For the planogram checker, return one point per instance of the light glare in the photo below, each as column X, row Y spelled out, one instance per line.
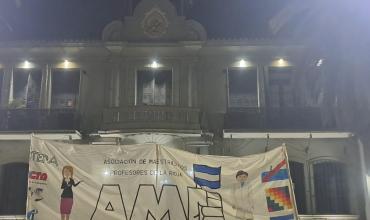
column 281, row 62
column 66, row 63
column 154, row 65
column 242, row 63
column 320, row 62
column 27, row 64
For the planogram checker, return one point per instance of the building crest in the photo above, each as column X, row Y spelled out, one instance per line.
column 155, row 23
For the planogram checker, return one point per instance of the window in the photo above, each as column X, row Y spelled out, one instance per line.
column 154, row 87
column 297, row 174
column 26, row 88
column 65, row 88
column 281, row 92
column 13, row 188
column 331, row 188
column 243, row 89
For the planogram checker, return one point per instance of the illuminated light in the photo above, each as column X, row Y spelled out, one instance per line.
column 66, row 63
column 242, row 63
column 106, row 173
column 27, row 64
column 154, row 65
column 281, row 61
column 320, row 62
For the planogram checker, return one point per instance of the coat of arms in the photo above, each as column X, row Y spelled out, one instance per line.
column 155, row 23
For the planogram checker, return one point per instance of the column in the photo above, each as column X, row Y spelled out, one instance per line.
column 8, row 70
column 45, row 85
column 366, row 178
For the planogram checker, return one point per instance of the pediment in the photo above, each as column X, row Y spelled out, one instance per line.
column 154, row 20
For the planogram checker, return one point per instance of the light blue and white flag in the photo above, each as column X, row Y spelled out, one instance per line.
column 207, row 176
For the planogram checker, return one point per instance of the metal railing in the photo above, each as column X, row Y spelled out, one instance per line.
column 162, row 117
column 38, row 119
column 277, row 118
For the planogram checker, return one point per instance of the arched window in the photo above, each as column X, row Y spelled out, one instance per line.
column 13, row 188
column 331, row 188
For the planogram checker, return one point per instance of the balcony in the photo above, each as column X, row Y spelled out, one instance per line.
column 151, row 117
column 38, row 119
column 295, row 118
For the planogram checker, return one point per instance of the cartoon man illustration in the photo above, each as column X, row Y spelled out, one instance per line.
column 66, row 201
column 242, row 197
column 34, row 197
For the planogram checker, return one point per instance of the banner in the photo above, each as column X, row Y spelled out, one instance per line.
column 153, row 182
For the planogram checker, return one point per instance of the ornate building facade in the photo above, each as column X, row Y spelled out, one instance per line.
column 155, row 77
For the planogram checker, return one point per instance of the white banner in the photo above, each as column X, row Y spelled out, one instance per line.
column 146, row 182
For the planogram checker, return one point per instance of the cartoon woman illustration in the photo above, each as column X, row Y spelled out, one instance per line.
column 66, row 201
column 242, row 197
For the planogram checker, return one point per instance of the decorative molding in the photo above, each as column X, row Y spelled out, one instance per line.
column 155, row 23
column 113, row 31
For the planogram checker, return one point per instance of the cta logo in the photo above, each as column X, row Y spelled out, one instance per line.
column 34, row 175
column 43, row 158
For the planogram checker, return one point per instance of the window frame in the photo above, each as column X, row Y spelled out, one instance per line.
column 312, row 186
column 257, row 69
column 50, row 91
column 11, row 83
column 268, row 86
column 152, row 69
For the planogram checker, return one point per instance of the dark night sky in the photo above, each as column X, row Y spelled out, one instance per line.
column 85, row 19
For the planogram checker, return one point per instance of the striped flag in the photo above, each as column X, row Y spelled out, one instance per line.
column 207, row 176
column 280, row 172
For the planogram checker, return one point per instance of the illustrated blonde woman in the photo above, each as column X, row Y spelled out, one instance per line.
column 66, row 201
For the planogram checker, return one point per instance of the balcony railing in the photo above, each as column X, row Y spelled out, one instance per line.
column 295, row 118
column 151, row 117
column 38, row 119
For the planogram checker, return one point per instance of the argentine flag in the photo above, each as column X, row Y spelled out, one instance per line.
column 207, row 176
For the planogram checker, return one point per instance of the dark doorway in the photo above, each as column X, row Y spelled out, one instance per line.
column 13, row 188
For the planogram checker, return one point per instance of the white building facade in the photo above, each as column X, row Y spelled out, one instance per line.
column 155, row 77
